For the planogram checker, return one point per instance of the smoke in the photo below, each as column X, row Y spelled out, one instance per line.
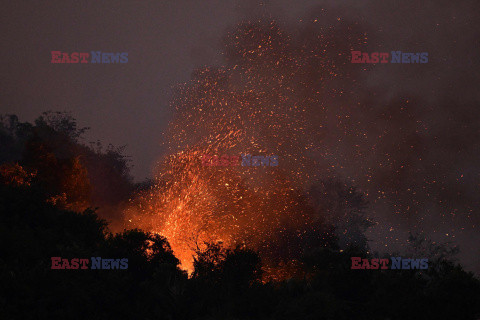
column 406, row 135
column 410, row 137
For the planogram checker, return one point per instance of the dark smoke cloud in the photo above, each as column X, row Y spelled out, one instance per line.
column 407, row 135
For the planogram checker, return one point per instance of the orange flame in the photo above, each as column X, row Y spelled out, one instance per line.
column 254, row 106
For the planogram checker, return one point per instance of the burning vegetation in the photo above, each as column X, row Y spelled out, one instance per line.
column 259, row 103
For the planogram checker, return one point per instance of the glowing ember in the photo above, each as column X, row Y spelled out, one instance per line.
column 256, row 105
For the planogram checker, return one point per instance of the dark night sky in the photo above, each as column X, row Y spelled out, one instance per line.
column 166, row 40
column 123, row 104
column 128, row 104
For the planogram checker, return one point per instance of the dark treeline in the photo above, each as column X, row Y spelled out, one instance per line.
column 73, row 174
column 49, row 181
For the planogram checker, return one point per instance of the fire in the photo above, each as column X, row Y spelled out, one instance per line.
column 15, row 174
column 257, row 104
column 232, row 205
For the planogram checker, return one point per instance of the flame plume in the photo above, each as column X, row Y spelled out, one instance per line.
column 258, row 104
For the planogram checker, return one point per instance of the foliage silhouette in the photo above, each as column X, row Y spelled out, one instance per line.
column 227, row 283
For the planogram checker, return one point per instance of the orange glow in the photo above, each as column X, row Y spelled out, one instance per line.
column 250, row 107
